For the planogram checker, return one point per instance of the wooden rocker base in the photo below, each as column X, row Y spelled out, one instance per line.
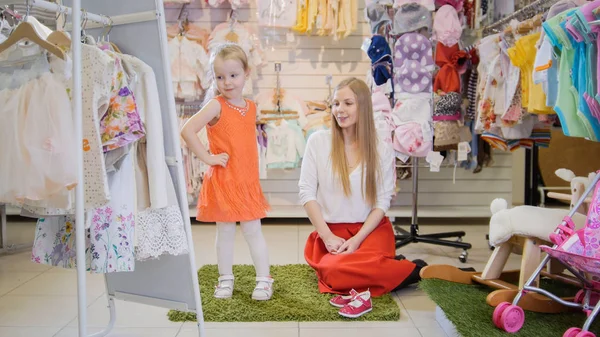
column 505, row 285
column 447, row 273
column 531, row 301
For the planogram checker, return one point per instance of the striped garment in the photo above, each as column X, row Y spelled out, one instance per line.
column 45, row 17
column 539, row 137
column 472, row 95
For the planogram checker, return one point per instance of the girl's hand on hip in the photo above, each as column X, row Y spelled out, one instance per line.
column 220, row 159
column 333, row 243
column 349, row 247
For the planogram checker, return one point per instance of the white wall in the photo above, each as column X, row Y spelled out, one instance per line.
column 303, row 71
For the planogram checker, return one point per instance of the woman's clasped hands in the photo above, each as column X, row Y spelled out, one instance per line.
column 336, row 245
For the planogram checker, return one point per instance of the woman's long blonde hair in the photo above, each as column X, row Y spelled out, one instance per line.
column 366, row 138
column 225, row 51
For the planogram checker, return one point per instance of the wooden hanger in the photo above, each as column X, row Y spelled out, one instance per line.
column 277, row 112
column 530, row 24
column 232, row 36
column 277, row 120
column 115, row 48
column 26, row 31
column 60, row 39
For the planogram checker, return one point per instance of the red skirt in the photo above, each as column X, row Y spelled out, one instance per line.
column 372, row 266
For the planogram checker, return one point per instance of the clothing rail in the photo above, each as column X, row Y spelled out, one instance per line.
column 526, row 12
column 124, row 19
column 75, row 12
column 53, row 7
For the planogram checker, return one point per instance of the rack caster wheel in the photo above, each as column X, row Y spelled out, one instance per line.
column 463, row 256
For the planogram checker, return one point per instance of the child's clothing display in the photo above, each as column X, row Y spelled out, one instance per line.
column 39, row 154
column 189, row 68
column 245, row 36
column 131, row 210
column 233, row 193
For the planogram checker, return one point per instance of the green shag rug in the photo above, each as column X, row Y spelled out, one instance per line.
column 296, row 298
column 465, row 306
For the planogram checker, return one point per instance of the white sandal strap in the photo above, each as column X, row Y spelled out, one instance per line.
column 226, row 278
column 269, row 280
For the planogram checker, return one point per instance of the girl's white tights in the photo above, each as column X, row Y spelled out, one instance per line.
column 255, row 239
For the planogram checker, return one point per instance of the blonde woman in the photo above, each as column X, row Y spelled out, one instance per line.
column 346, row 186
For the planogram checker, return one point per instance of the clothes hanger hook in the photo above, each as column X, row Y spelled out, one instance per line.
column 65, row 13
column 110, row 26
column 27, row 9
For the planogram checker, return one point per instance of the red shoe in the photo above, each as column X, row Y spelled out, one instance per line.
column 360, row 305
column 340, row 301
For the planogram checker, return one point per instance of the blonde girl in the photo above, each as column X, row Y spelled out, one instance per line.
column 231, row 190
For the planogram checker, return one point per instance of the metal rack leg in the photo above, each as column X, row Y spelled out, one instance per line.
column 111, row 322
column 3, row 239
column 113, row 313
column 404, row 237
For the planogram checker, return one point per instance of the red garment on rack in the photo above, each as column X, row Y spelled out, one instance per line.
column 451, row 60
column 372, row 266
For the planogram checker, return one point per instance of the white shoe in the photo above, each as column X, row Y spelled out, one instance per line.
column 225, row 287
column 264, row 289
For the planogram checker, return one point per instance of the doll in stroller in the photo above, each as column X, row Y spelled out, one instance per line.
column 579, row 251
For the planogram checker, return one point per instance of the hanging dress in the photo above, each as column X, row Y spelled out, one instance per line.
column 233, row 193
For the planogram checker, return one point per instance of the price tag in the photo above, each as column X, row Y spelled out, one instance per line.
column 290, row 37
column 366, row 44
column 463, row 150
column 404, row 158
column 435, row 160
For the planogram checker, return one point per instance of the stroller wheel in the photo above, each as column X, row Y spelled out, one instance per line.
column 572, row 332
column 512, row 318
column 579, row 298
column 498, row 313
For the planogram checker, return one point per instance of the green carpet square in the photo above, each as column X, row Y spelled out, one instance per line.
column 296, row 298
column 465, row 306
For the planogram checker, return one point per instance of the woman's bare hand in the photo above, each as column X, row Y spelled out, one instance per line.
column 333, row 242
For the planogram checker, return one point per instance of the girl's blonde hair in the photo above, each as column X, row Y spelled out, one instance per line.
column 224, row 51
column 366, row 138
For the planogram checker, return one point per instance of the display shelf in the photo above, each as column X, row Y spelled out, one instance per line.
column 283, row 212
column 12, row 210
column 395, row 211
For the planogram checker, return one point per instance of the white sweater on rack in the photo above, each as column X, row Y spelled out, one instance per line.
column 318, row 183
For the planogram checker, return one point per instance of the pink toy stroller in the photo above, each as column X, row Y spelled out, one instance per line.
column 579, row 251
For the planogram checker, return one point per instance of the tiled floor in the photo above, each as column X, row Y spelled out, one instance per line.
column 39, row 301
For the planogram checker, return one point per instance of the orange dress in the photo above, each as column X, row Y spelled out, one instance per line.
column 233, row 193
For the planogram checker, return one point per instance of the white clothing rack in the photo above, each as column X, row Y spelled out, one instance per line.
column 53, row 7
column 171, row 281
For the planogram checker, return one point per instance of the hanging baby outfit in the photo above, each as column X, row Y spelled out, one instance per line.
column 36, row 133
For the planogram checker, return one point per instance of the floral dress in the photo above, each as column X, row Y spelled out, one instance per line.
column 109, row 238
column 110, row 227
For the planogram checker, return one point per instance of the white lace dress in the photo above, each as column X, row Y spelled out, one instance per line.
column 159, row 225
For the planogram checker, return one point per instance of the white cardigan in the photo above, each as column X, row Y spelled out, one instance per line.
column 317, row 182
